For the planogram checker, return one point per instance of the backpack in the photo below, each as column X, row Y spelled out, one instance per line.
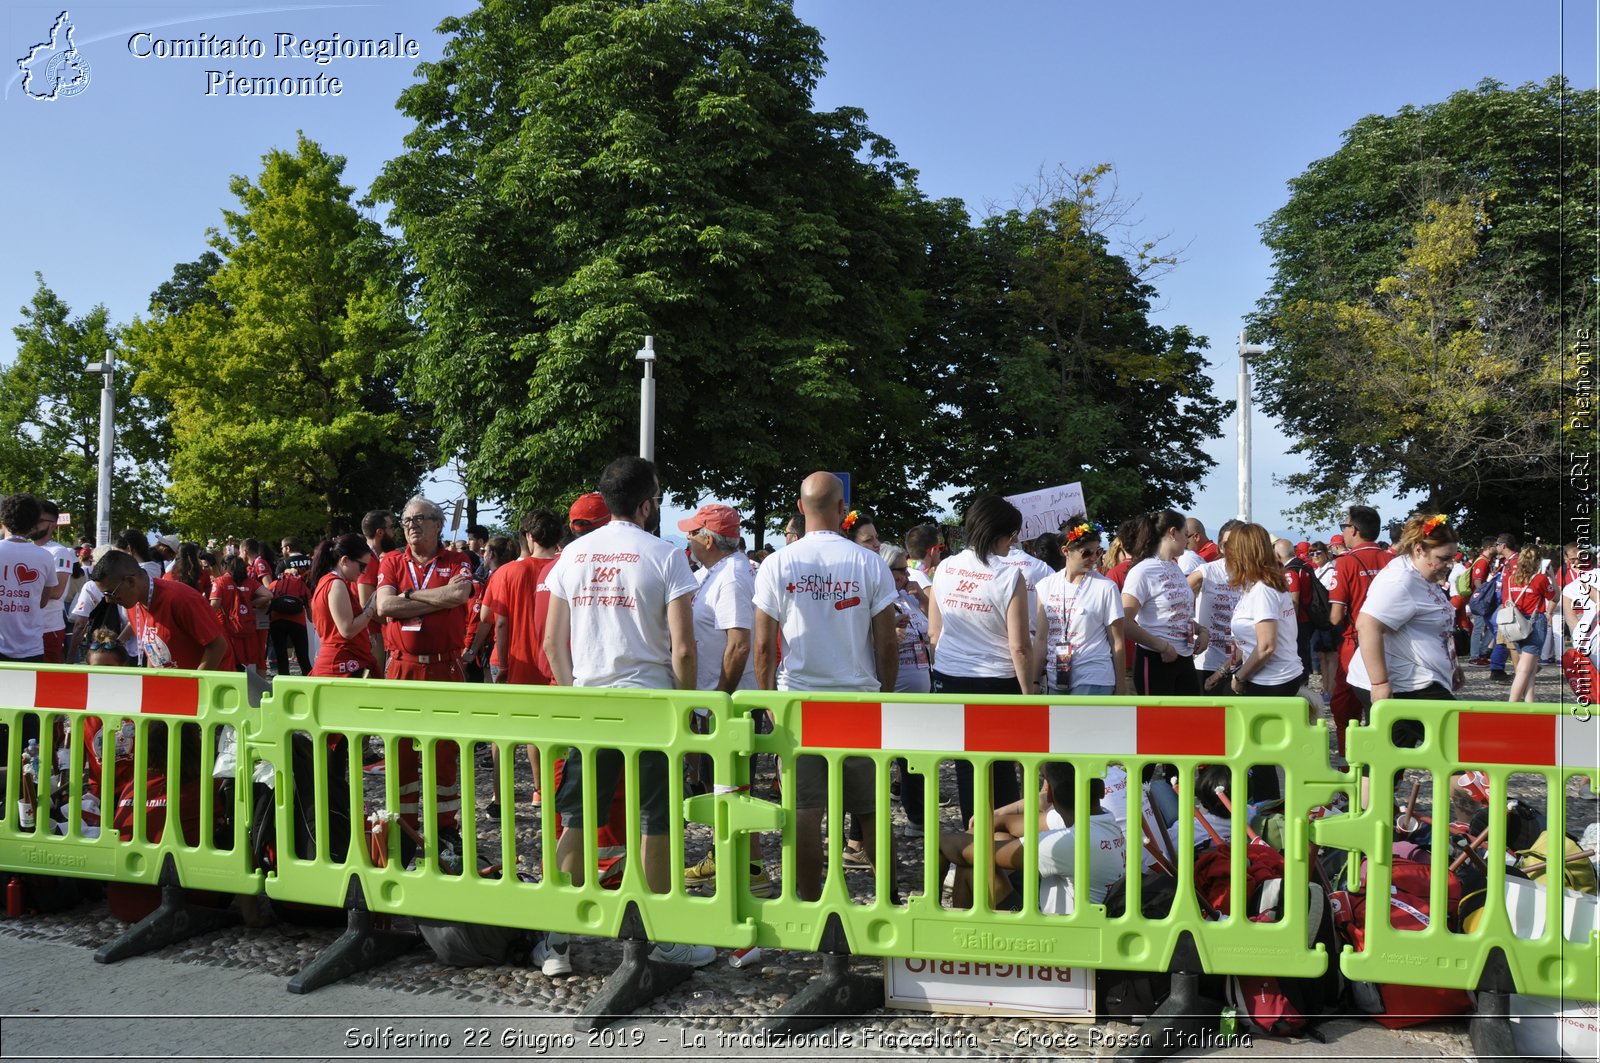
column 1319, row 609
column 1464, row 582
column 1399, row 1006
column 1485, row 598
column 1270, row 1004
column 1126, row 995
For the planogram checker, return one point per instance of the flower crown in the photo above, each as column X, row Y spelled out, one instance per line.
column 1081, row 529
column 850, row 519
column 1435, row 521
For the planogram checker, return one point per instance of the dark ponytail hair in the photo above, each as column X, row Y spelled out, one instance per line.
column 1152, row 528
column 330, row 552
column 186, row 569
column 238, row 570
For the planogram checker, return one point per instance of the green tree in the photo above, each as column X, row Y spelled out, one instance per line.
column 582, row 174
column 50, row 410
column 1056, row 372
column 283, row 418
column 1466, row 400
column 1526, row 157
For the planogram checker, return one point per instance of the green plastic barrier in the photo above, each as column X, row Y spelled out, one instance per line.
column 1091, row 733
column 1501, row 740
column 551, row 718
column 210, row 700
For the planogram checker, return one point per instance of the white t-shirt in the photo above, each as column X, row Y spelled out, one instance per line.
column 618, row 581
column 1081, row 612
column 726, row 599
column 25, row 571
column 1058, row 856
column 1197, row 835
column 1260, row 602
column 920, row 579
column 54, row 614
column 1033, row 570
column 1419, row 615
column 972, row 597
column 824, row 590
column 1326, row 575
column 1188, row 561
column 1214, row 612
column 1166, row 605
column 1115, row 800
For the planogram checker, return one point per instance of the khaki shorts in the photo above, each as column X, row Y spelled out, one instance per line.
column 811, row 790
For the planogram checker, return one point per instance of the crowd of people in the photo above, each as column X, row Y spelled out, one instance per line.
column 598, row 599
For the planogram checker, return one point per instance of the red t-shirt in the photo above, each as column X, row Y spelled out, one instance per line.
column 1352, row 575
column 205, row 580
column 1295, row 584
column 1480, row 570
column 337, row 655
column 176, row 626
column 519, row 593
column 436, row 634
column 1208, row 551
column 291, row 583
column 1529, row 597
column 1118, row 573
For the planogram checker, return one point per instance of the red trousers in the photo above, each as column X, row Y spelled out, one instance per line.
column 1343, row 702
column 446, row 755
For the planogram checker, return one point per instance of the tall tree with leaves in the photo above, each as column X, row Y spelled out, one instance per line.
column 283, row 420
column 50, row 412
column 585, row 173
column 1367, row 224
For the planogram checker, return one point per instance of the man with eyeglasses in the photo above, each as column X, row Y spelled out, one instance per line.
column 172, row 622
column 1195, row 533
column 1352, row 575
column 422, row 596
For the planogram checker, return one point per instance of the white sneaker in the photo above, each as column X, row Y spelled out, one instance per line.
column 553, row 955
column 683, row 955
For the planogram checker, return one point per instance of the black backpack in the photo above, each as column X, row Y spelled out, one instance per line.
column 1319, row 609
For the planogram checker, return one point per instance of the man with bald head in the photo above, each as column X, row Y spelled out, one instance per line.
column 831, row 605
column 1195, row 534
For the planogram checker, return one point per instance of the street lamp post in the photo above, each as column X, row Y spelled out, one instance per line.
column 1246, row 352
column 647, row 400
column 108, row 434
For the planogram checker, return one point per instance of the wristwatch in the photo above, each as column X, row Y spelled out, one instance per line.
column 408, row 594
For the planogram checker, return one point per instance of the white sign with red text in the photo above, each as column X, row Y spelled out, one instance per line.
column 1045, row 510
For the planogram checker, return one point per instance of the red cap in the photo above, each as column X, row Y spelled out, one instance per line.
column 1302, row 550
column 724, row 520
column 588, row 513
column 1337, row 540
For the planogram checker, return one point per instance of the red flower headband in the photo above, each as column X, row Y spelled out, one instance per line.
column 850, row 519
column 1433, row 522
column 1078, row 531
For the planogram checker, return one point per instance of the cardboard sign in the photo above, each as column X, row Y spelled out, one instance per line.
column 966, row 988
column 1045, row 510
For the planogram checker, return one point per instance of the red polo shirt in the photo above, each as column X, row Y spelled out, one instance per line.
column 519, row 593
column 436, row 634
column 176, row 626
column 1352, row 575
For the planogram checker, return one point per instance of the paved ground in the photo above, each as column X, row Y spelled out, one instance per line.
column 223, row 996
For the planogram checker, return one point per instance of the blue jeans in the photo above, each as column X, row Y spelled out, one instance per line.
column 1092, row 689
column 1482, row 635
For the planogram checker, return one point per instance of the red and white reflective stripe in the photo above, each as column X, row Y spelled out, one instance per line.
column 1546, row 741
column 165, row 695
column 1129, row 730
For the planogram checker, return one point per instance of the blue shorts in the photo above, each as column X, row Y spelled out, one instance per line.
column 1540, row 631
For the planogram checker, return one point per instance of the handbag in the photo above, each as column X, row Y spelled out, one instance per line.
column 1512, row 623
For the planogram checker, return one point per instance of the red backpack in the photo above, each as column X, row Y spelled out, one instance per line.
column 1398, row 1006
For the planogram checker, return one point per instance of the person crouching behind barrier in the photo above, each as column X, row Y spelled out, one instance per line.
column 1057, row 851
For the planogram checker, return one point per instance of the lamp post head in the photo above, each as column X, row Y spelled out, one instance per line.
column 647, row 353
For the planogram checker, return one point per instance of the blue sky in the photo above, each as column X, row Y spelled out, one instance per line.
column 1205, row 110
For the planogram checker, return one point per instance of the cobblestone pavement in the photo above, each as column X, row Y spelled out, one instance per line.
column 719, row 997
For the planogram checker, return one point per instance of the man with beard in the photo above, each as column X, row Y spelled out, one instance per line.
column 422, row 596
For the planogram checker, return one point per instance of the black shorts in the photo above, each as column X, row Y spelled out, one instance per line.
column 653, row 811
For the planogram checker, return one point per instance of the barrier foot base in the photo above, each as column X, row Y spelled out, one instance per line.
column 359, row 948
column 637, row 980
column 1183, row 1022
column 833, row 994
column 173, row 920
column 1490, row 1027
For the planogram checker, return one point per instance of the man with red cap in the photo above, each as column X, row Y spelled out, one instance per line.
column 588, row 513
column 1336, row 547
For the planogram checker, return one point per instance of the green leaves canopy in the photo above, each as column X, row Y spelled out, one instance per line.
column 282, row 419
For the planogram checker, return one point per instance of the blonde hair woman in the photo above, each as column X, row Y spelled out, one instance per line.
column 1528, row 590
